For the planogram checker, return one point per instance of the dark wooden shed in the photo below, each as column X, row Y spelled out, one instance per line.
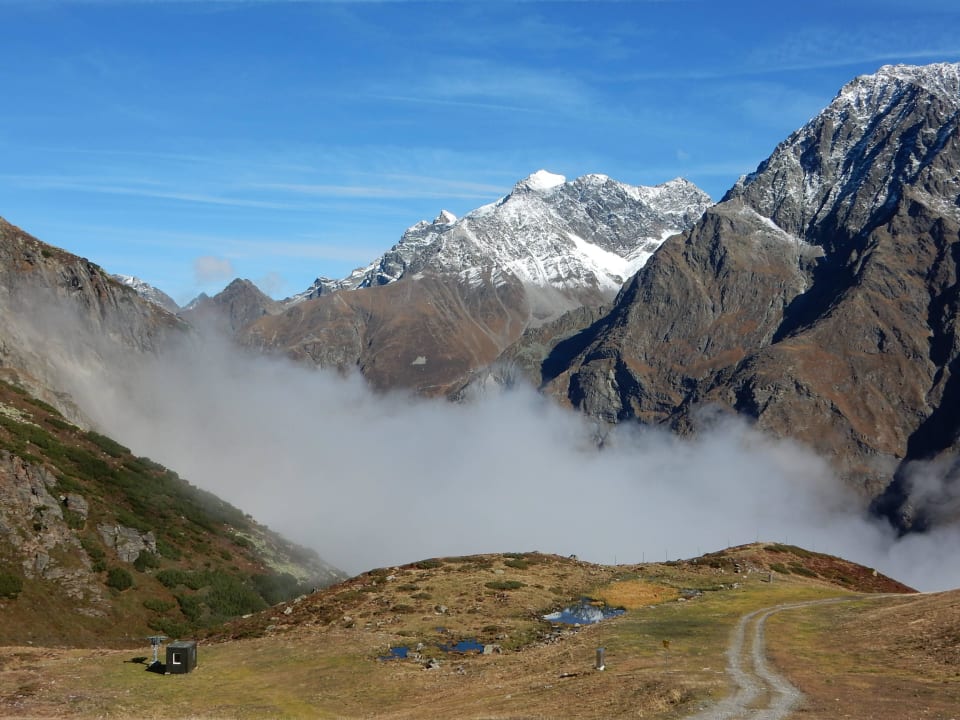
column 181, row 657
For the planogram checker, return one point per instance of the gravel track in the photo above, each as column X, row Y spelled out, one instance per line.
column 762, row 693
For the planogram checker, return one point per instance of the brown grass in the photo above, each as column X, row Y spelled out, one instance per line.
column 875, row 658
column 319, row 657
column 634, row 594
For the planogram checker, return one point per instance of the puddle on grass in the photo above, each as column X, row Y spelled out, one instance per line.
column 396, row 653
column 464, row 646
column 584, row 613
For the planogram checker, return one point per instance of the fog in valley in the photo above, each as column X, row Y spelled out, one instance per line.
column 373, row 480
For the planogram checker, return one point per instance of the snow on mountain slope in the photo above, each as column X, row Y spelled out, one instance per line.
column 589, row 233
column 852, row 159
column 148, row 292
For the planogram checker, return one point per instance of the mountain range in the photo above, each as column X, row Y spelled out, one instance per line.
column 819, row 298
column 452, row 294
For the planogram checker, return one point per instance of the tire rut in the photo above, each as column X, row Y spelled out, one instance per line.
column 761, row 692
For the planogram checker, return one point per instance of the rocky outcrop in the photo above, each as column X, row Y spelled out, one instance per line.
column 127, row 542
column 33, row 528
column 819, row 297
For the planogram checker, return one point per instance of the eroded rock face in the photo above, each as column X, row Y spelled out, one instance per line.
column 127, row 542
column 32, row 524
column 820, row 297
column 59, row 310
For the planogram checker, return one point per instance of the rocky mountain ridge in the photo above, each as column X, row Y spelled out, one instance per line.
column 239, row 304
column 587, row 234
column 819, row 297
column 58, row 309
column 453, row 294
column 148, row 292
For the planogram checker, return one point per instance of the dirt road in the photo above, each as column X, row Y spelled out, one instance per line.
column 762, row 693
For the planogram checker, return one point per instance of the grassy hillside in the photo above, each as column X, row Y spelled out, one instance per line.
column 321, row 656
column 98, row 546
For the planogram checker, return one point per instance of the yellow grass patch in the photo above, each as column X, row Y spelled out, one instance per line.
column 633, row 594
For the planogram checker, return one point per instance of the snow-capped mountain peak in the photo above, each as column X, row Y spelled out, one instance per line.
column 541, row 181
column 445, row 218
column 881, row 133
column 588, row 235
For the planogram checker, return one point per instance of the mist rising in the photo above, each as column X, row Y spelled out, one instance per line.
column 371, row 480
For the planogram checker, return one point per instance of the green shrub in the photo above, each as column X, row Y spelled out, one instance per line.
column 190, row 607
column 74, row 520
column 58, row 423
column 36, row 402
column 802, row 570
column 172, row 577
column 168, row 551
column 95, row 552
column 158, row 606
column 146, row 560
column 169, row 627
column 276, row 588
column 15, row 388
column 517, row 564
column 429, row 564
column 119, row 579
column 10, row 585
column 780, row 568
column 228, row 596
column 108, row 445
column 504, row 585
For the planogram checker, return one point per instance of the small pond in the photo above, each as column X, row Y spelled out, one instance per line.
column 464, row 646
column 584, row 613
column 396, row 653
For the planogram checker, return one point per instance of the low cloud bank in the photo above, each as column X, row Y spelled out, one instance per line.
column 370, row 480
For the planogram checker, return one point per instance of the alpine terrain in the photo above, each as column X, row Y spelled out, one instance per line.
column 820, row 297
column 453, row 293
column 96, row 544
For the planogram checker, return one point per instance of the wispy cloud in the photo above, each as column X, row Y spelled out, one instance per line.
column 435, row 189
column 826, row 46
column 140, row 187
column 249, row 194
column 489, row 85
column 210, row 269
column 818, row 48
column 426, row 100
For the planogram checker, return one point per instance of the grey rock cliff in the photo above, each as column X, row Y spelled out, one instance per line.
column 819, row 297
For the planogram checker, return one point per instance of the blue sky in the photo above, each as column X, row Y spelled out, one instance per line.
column 189, row 143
